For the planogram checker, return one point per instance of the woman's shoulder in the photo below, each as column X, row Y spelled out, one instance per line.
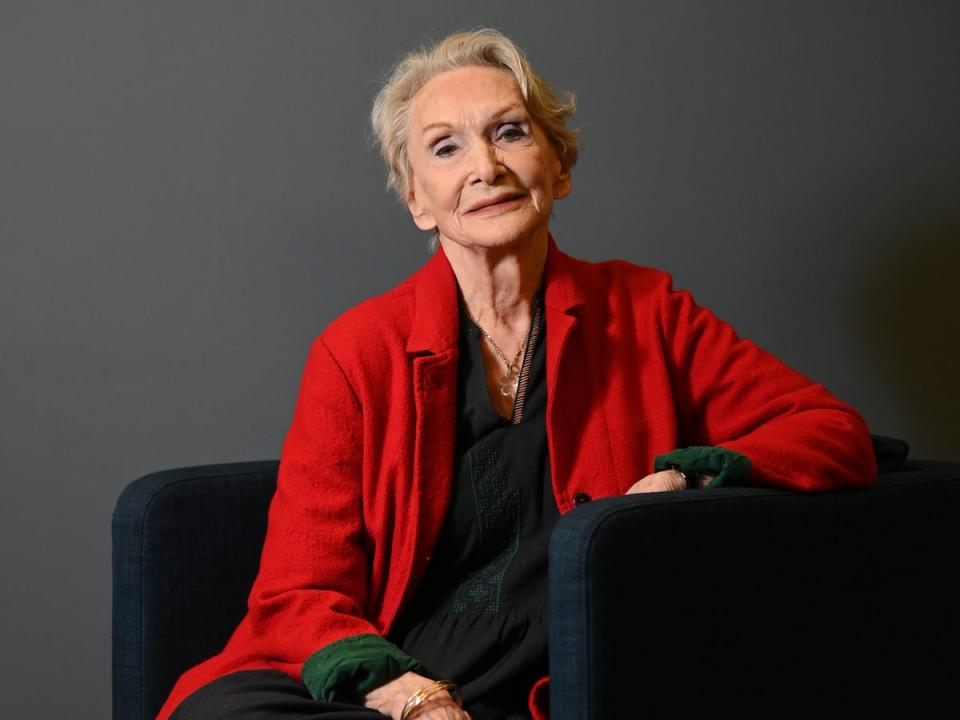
column 363, row 343
column 374, row 324
column 618, row 279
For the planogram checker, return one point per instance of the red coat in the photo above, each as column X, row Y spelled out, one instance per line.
column 634, row 369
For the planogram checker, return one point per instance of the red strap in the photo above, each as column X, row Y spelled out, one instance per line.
column 539, row 699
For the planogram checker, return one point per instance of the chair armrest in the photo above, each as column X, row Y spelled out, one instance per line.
column 740, row 597
column 186, row 546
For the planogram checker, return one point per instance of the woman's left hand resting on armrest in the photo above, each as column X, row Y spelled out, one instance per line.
column 390, row 698
column 663, row 481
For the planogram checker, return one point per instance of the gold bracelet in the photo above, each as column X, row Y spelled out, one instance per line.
column 420, row 697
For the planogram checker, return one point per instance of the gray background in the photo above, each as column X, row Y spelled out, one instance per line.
column 188, row 194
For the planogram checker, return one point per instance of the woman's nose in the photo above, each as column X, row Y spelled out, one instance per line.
column 486, row 163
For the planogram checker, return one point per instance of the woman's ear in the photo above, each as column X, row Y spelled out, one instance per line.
column 422, row 217
column 563, row 182
column 564, row 185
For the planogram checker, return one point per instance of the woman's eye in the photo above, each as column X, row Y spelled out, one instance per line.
column 511, row 131
column 445, row 150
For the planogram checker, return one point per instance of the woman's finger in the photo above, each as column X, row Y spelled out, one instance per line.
column 658, row 482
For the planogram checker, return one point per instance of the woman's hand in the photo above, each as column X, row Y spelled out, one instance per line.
column 391, row 697
column 663, row 481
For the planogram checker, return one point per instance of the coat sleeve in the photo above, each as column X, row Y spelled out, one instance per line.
column 311, row 588
column 731, row 393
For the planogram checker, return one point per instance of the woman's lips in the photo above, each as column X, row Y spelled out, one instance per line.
column 505, row 204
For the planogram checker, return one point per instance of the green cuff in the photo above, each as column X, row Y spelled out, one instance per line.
column 728, row 467
column 346, row 670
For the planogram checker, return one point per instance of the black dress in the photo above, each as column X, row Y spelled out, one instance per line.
column 479, row 615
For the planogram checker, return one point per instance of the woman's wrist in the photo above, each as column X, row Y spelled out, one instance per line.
column 391, row 698
column 439, row 691
column 349, row 668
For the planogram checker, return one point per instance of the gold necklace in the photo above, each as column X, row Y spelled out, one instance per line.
column 511, row 380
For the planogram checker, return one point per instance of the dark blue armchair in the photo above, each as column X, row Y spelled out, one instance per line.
column 664, row 605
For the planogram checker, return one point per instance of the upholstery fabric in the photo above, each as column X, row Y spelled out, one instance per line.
column 186, row 545
column 757, row 601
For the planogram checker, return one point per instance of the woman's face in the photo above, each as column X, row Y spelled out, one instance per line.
column 482, row 172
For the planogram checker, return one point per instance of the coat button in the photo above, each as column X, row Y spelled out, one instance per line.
column 580, row 498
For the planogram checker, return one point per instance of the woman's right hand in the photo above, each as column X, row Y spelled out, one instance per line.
column 392, row 696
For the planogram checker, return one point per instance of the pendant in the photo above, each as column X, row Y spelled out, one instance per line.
column 509, row 383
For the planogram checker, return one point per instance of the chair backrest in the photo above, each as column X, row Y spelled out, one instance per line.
column 186, row 548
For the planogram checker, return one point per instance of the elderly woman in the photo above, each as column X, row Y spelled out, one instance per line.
column 443, row 427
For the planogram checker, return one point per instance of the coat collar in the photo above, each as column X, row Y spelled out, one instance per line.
column 436, row 312
column 562, row 292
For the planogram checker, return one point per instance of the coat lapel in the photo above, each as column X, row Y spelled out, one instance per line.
column 581, row 457
column 432, row 349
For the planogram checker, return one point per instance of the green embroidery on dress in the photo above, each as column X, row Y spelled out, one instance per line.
column 498, row 528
